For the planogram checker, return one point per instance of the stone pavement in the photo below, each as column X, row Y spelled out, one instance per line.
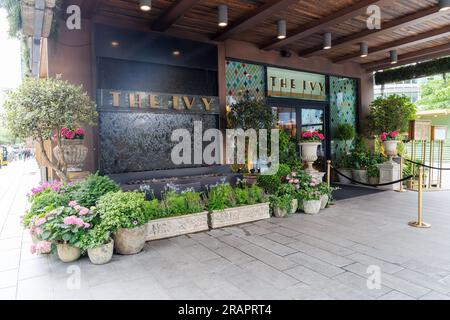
column 300, row 257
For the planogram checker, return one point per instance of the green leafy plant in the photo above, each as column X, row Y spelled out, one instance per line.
column 435, row 94
column 359, row 160
column 288, row 149
column 271, row 183
column 221, row 197
column 95, row 237
column 391, row 114
column 174, row 204
column 345, row 132
column 43, row 203
column 40, row 108
column 123, row 210
column 283, row 202
column 88, row 191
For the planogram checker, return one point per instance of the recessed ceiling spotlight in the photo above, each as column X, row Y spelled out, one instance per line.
column 393, row 56
column 327, row 41
column 223, row 15
column 364, row 48
column 444, row 5
column 281, row 28
column 114, row 43
column 176, row 52
column 145, row 5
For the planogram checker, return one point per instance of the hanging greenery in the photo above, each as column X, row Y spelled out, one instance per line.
column 420, row 70
column 13, row 14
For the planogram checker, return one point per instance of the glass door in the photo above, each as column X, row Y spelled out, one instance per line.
column 312, row 119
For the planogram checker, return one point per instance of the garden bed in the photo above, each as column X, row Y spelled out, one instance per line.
column 176, row 226
column 239, row 215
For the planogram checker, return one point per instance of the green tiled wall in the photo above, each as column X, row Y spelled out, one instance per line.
column 244, row 81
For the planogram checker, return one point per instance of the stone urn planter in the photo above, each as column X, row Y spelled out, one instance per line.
column 102, row 254
column 176, row 226
column 390, row 148
column 324, row 201
column 67, row 253
column 348, row 173
column 74, row 154
column 239, row 215
column 309, row 155
column 279, row 213
column 294, row 206
column 360, row 175
column 374, row 180
column 312, row 206
column 130, row 241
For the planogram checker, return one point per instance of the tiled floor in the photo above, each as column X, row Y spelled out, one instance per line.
column 301, row 257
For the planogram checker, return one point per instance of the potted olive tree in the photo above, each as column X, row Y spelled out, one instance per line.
column 125, row 214
column 42, row 109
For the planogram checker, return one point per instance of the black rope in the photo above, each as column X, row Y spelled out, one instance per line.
column 429, row 167
column 371, row 185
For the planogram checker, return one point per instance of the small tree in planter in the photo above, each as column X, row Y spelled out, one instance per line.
column 345, row 132
column 391, row 114
column 42, row 108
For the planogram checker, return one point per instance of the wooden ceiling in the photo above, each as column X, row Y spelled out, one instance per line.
column 415, row 28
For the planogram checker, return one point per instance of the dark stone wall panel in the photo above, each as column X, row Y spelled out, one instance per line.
column 134, row 142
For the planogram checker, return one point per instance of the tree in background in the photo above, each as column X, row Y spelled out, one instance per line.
column 40, row 108
column 435, row 94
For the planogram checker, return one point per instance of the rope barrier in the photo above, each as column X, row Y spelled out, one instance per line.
column 429, row 167
column 371, row 185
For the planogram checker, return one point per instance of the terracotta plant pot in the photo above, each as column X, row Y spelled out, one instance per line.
column 130, row 241
column 324, row 201
column 74, row 154
column 309, row 154
column 68, row 253
column 360, row 175
column 311, row 206
column 102, row 254
column 279, row 213
column 348, row 173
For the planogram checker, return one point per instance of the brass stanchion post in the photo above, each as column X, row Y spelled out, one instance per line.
column 329, row 173
column 419, row 223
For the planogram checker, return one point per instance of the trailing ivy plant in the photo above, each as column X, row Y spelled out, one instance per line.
column 391, row 114
column 40, row 108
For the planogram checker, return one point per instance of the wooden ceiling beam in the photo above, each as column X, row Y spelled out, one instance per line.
column 176, row 10
column 322, row 24
column 253, row 18
column 402, row 22
column 408, row 58
column 408, row 41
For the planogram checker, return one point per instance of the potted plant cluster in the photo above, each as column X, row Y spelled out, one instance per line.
column 99, row 244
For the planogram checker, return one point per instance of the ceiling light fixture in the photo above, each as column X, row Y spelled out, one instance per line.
column 364, row 48
column 444, row 5
column 145, row 5
column 281, row 29
column 393, row 56
column 223, row 15
column 327, row 41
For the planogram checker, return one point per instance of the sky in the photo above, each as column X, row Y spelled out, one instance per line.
column 10, row 64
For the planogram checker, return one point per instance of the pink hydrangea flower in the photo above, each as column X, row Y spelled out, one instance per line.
column 79, row 131
column 41, row 247
column 73, row 220
column 38, row 231
column 77, row 207
column 40, row 222
column 72, row 204
column 84, row 211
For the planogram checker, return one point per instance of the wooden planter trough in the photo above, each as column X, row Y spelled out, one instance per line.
column 239, row 215
column 176, row 226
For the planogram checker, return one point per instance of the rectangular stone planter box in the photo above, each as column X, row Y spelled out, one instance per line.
column 239, row 215
column 177, row 226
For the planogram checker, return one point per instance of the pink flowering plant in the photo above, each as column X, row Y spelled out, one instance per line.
column 66, row 224
column 312, row 136
column 389, row 136
column 72, row 134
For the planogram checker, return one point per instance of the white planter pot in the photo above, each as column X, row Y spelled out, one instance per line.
column 324, row 201
column 348, row 173
column 102, row 254
column 294, row 206
column 239, row 215
column 74, row 154
column 130, row 241
column 309, row 154
column 390, row 147
column 311, row 206
column 68, row 253
column 360, row 176
column 176, row 226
